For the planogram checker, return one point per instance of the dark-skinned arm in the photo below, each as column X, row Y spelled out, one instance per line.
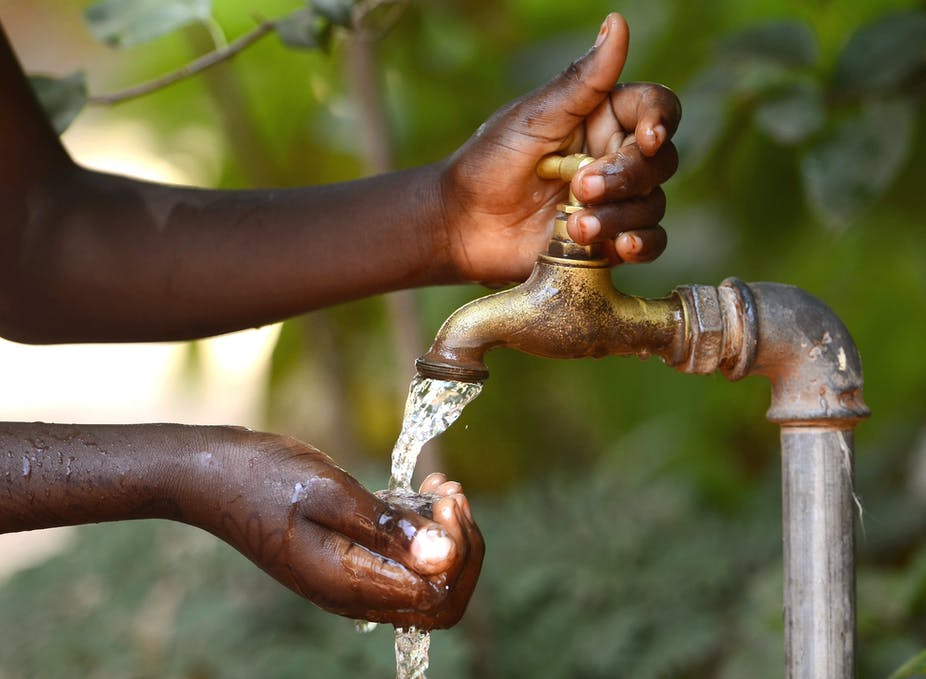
column 283, row 504
column 86, row 256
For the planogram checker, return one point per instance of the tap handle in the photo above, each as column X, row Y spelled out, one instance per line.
column 555, row 166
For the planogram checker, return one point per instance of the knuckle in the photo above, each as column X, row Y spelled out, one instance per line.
column 669, row 158
column 658, row 203
column 573, row 71
column 623, row 174
column 666, row 99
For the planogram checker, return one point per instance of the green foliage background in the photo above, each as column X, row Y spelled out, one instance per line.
column 631, row 513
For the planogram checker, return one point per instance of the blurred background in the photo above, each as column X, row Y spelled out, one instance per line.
column 632, row 514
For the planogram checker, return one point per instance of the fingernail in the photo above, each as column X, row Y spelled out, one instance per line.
column 590, row 227
column 655, row 136
column 603, row 33
column 592, row 186
column 629, row 244
column 431, row 545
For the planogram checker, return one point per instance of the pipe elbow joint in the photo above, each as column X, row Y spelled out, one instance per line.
column 807, row 353
column 784, row 334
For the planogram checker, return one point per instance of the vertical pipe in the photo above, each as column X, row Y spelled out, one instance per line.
column 819, row 552
column 792, row 338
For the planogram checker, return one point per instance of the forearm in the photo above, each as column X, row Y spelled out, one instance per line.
column 58, row 475
column 86, row 256
column 106, row 258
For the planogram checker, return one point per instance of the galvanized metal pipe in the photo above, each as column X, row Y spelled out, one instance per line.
column 819, row 552
column 792, row 338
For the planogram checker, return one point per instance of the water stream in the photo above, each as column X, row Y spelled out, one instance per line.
column 432, row 406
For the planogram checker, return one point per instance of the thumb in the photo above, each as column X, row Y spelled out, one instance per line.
column 557, row 108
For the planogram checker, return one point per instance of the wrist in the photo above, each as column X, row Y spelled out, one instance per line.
column 433, row 207
column 203, row 473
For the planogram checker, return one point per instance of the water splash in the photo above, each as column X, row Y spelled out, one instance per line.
column 412, row 647
column 431, row 407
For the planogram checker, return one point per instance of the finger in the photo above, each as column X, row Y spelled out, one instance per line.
column 608, row 220
column 449, row 488
column 626, row 174
column 603, row 132
column 463, row 502
column 345, row 578
column 335, row 500
column 641, row 245
column 431, row 482
column 432, row 551
column 650, row 110
column 465, row 581
column 554, row 111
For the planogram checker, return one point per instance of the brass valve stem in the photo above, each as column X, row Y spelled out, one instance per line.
column 561, row 246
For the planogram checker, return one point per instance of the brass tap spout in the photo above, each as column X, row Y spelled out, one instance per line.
column 567, row 308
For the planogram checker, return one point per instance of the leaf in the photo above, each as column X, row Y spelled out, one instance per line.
column 914, row 667
column 789, row 43
column 705, row 116
column 882, row 55
column 304, row 29
column 62, row 98
column 750, row 79
column 338, row 12
column 124, row 23
column 793, row 114
column 699, row 132
column 854, row 165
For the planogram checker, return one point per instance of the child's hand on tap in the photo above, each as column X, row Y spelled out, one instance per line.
column 498, row 212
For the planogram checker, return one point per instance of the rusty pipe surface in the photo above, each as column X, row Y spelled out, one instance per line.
column 796, row 341
column 567, row 308
column 807, row 353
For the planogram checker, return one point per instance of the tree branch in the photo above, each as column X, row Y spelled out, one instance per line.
column 194, row 67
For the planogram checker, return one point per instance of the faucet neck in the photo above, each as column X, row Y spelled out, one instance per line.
column 561, row 246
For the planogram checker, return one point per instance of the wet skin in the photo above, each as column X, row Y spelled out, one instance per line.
column 283, row 504
column 87, row 256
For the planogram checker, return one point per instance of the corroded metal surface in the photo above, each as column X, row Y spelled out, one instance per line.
column 566, row 309
column 569, row 309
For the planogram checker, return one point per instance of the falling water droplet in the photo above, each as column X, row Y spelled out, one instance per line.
column 432, row 406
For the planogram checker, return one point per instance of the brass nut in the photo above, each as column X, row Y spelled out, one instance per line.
column 705, row 329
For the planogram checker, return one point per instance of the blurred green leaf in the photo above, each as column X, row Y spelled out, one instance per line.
column 883, row 55
column 914, row 667
column 789, row 43
column 752, row 79
column 854, row 165
column 792, row 115
column 124, row 23
column 705, row 116
column 62, row 98
column 305, row 29
column 338, row 12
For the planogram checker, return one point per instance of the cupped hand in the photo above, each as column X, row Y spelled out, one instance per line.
column 314, row 528
column 498, row 212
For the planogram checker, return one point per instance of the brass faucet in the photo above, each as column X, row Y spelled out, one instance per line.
column 567, row 308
